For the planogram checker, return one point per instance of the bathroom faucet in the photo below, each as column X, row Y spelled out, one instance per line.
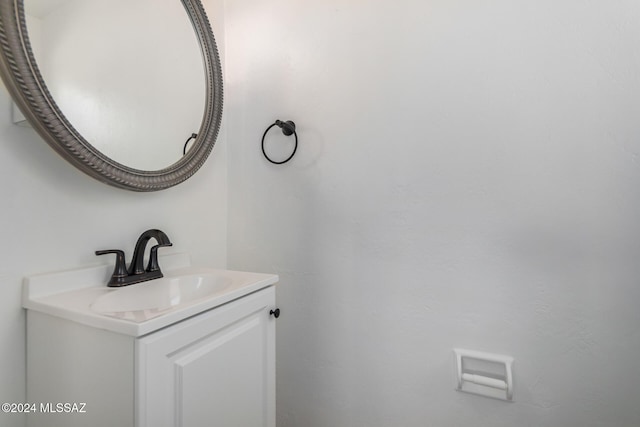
column 136, row 272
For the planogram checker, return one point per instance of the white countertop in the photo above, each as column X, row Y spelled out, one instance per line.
column 70, row 295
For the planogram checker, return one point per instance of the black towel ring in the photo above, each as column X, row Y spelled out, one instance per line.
column 288, row 128
column 184, row 149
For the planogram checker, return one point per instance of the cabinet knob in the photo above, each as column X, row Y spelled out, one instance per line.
column 275, row 313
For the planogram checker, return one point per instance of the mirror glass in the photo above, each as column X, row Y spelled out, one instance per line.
column 127, row 74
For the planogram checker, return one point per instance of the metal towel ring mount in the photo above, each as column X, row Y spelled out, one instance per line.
column 288, row 128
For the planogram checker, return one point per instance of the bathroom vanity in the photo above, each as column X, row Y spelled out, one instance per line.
column 195, row 348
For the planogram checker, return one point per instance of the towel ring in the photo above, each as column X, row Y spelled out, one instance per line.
column 184, row 149
column 288, row 128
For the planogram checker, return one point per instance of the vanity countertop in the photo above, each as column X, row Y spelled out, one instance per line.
column 83, row 297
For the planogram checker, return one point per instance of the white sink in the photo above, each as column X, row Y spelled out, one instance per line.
column 82, row 295
column 147, row 300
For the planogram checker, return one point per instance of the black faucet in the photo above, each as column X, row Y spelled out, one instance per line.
column 137, row 273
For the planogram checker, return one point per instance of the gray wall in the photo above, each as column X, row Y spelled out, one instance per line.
column 467, row 176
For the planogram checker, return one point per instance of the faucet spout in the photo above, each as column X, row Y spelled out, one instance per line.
column 137, row 262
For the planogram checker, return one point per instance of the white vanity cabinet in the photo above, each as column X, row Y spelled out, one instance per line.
column 216, row 368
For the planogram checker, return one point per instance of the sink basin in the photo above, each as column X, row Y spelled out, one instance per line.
column 82, row 296
column 146, row 300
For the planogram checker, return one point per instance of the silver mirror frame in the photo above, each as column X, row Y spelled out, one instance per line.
column 24, row 82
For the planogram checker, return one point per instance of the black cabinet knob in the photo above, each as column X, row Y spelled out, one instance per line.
column 275, row 313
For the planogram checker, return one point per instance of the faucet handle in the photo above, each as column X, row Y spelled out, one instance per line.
column 153, row 257
column 120, row 270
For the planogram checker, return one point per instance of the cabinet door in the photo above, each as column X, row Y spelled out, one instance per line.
column 215, row 369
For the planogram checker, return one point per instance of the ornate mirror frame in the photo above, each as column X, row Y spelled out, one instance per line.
column 20, row 73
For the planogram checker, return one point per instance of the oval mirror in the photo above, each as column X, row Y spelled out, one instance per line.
column 117, row 91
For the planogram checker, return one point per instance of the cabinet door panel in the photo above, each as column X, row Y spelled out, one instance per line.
column 208, row 389
column 217, row 369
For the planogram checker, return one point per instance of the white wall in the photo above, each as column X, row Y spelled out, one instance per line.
column 54, row 217
column 467, row 176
